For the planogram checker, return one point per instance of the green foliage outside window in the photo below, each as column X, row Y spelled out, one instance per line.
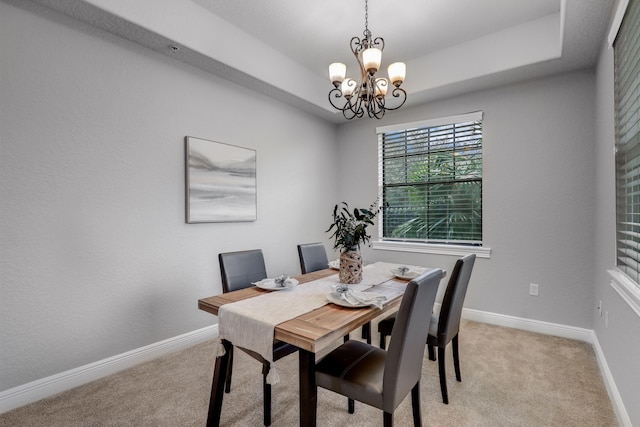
column 432, row 184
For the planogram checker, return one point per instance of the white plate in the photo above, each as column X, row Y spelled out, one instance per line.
column 335, row 298
column 406, row 276
column 335, row 264
column 272, row 286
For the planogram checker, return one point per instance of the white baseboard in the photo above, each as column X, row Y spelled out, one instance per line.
column 39, row 389
column 614, row 394
column 530, row 325
column 45, row 387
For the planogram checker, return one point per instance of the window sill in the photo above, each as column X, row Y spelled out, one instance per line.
column 627, row 289
column 430, row 248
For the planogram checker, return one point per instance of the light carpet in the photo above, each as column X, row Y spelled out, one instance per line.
column 509, row 378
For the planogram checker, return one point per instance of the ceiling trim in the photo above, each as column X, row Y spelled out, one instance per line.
column 213, row 44
column 621, row 9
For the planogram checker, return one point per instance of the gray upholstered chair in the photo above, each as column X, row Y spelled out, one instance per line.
column 443, row 327
column 379, row 378
column 238, row 270
column 313, row 257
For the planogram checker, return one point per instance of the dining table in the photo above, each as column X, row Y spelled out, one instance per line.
column 310, row 332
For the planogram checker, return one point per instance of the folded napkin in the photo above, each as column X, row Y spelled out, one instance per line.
column 281, row 281
column 354, row 297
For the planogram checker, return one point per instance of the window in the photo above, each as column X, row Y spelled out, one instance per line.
column 627, row 124
column 430, row 179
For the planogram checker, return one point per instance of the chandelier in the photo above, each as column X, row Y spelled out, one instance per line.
column 369, row 94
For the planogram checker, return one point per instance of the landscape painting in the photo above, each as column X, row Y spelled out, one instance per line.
column 220, row 182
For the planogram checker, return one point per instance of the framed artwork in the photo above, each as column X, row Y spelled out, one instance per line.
column 220, row 182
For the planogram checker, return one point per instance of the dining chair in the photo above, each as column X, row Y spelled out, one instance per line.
column 382, row 378
column 313, row 257
column 443, row 327
column 238, row 271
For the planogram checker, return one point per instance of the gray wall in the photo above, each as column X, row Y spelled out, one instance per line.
column 537, row 194
column 620, row 341
column 95, row 255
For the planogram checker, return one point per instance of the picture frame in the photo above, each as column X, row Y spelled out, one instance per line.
column 220, row 182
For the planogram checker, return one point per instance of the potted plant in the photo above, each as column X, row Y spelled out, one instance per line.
column 349, row 231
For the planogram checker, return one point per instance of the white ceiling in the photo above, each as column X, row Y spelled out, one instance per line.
column 283, row 47
column 317, row 33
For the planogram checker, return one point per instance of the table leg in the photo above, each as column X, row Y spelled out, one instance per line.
column 217, row 386
column 308, row 388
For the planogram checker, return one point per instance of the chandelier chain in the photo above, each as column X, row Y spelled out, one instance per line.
column 366, row 19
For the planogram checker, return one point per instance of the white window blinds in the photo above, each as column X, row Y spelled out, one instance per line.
column 430, row 179
column 627, row 115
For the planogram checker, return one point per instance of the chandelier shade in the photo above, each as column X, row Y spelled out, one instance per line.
column 397, row 71
column 372, row 58
column 368, row 95
column 337, row 72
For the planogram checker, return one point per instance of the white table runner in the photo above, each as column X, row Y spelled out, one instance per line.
column 250, row 323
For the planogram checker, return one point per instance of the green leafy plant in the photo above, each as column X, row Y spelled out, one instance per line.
column 350, row 227
column 436, row 208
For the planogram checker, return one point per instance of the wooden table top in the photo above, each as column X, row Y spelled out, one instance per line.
column 317, row 329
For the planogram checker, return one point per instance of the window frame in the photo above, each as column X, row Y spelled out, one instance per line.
column 621, row 282
column 441, row 248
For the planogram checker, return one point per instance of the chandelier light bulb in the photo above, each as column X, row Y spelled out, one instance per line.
column 337, row 73
column 371, row 59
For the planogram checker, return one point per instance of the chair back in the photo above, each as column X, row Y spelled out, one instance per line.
column 313, row 257
column 239, row 269
column 453, row 300
column 403, row 365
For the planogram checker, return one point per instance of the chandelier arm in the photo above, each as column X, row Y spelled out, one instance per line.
column 378, row 42
column 350, row 105
column 337, row 93
column 356, row 45
column 360, row 106
column 377, row 108
column 381, row 85
column 352, row 110
column 363, row 73
column 398, row 93
column 348, row 116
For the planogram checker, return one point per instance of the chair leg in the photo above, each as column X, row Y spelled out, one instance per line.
column 383, row 341
column 266, row 395
column 346, row 338
column 366, row 332
column 227, row 380
column 351, row 406
column 456, row 358
column 415, row 403
column 387, row 419
column 432, row 353
column 443, row 376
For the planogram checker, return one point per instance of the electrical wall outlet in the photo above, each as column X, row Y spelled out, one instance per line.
column 533, row 289
column 599, row 308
